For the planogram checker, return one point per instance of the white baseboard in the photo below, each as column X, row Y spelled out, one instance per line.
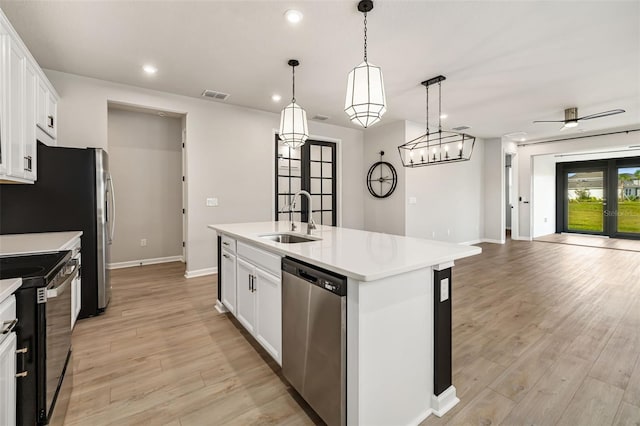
column 470, row 243
column 142, row 262
column 201, row 272
column 522, row 238
column 489, row 240
column 444, row 402
column 221, row 308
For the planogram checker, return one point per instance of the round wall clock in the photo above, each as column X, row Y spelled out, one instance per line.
column 382, row 178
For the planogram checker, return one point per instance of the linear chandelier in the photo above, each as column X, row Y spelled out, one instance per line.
column 443, row 146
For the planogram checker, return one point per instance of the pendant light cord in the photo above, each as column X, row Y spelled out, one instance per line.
column 293, row 84
column 365, row 37
column 439, row 107
column 427, row 116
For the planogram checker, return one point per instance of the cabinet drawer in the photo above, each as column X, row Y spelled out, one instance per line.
column 267, row 261
column 228, row 244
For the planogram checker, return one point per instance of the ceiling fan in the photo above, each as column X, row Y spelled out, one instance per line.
column 571, row 117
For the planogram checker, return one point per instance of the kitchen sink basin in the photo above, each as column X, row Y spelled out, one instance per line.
column 285, row 238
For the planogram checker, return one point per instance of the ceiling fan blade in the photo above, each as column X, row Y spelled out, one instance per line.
column 602, row 114
column 549, row 121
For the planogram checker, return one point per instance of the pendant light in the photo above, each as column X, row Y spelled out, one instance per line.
column 365, row 102
column 293, row 119
column 443, row 146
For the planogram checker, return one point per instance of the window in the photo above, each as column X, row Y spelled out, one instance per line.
column 312, row 168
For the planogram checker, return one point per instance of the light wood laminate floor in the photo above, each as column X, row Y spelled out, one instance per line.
column 544, row 334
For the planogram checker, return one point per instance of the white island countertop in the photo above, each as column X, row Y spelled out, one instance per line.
column 8, row 287
column 44, row 242
column 362, row 255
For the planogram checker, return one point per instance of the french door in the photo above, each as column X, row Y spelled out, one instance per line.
column 599, row 197
column 312, row 168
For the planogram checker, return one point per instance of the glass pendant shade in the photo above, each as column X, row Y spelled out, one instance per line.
column 365, row 102
column 293, row 125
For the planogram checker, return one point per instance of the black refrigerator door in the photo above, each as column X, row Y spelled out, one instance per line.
column 62, row 199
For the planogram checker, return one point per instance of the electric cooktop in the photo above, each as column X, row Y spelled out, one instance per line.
column 34, row 269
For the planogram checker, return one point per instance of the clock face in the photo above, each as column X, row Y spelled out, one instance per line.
column 382, row 179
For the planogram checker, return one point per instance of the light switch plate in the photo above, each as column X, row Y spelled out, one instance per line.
column 413, row 200
column 212, row 202
column 444, row 290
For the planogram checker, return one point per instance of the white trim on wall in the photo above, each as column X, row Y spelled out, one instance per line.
column 142, row 262
column 201, row 272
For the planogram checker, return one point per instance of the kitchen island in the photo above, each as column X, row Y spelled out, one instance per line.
column 398, row 312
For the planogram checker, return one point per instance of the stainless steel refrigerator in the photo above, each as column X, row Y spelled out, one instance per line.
column 74, row 192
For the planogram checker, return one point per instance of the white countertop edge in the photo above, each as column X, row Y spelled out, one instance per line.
column 280, row 249
column 37, row 242
column 8, row 287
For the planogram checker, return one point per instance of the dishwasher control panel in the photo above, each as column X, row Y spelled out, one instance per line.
column 322, row 278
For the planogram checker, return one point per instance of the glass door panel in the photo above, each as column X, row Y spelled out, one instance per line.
column 586, row 198
column 628, row 212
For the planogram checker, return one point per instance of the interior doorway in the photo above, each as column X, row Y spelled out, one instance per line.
column 146, row 150
column 508, row 194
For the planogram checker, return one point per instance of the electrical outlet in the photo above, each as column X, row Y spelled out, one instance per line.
column 413, row 200
column 545, row 220
column 448, row 232
column 143, row 242
column 212, row 202
column 433, row 234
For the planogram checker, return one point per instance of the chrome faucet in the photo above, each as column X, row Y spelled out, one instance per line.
column 311, row 225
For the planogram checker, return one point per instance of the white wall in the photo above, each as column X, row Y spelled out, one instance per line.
column 494, row 191
column 385, row 214
column 525, row 160
column 145, row 161
column 449, row 197
column 543, row 200
column 229, row 154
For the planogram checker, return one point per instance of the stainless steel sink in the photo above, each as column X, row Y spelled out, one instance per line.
column 285, row 238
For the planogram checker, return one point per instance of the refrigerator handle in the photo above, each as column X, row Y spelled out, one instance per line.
column 112, row 203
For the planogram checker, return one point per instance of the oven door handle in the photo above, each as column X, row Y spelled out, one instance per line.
column 59, row 289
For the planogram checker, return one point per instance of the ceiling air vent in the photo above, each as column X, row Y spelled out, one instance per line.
column 212, row 94
column 461, row 128
column 320, row 117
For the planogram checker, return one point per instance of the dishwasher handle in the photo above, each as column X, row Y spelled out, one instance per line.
column 307, row 276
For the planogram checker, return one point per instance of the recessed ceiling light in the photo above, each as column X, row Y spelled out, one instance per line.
column 293, row 16
column 276, row 98
column 150, row 69
column 443, row 116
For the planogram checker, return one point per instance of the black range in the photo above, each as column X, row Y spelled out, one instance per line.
column 43, row 305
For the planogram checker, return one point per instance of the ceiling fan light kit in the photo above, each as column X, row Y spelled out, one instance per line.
column 443, row 146
column 365, row 101
column 294, row 131
column 571, row 118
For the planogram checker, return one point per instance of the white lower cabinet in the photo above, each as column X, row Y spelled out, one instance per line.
column 253, row 293
column 8, row 380
column 246, row 312
column 269, row 313
column 228, row 297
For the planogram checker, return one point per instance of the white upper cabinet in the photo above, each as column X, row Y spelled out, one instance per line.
column 28, row 101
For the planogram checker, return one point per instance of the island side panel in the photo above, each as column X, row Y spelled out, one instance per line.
column 390, row 349
column 219, row 270
column 442, row 353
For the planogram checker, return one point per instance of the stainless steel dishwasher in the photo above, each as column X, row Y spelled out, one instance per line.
column 314, row 332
